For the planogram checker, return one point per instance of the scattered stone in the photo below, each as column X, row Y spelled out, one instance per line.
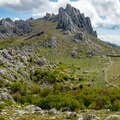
column 90, row 117
column 41, row 61
column 66, row 32
column 74, row 53
column 6, row 55
column 2, row 72
column 4, row 96
column 71, row 115
column 33, row 109
column 91, row 53
column 21, row 112
column 113, row 117
column 53, row 111
column 53, row 42
column 78, row 37
column 80, row 117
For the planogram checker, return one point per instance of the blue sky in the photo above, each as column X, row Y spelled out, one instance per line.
column 104, row 14
column 6, row 12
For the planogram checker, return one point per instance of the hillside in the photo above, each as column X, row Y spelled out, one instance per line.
column 57, row 68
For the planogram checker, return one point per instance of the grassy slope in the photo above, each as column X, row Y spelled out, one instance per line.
column 63, row 52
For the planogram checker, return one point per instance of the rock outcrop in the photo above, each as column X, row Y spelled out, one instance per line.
column 22, row 27
column 5, row 96
column 51, row 42
column 74, row 53
column 14, row 60
column 50, row 17
column 9, row 28
column 90, row 117
column 78, row 37
column 71, row 19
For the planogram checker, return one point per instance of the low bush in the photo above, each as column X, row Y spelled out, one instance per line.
column 60, row 101
column 5, row 104
column 18, row 87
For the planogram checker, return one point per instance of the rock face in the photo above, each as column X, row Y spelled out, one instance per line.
column 22, row 27
column 71, row 19
column 9, row 28
column 78, row 37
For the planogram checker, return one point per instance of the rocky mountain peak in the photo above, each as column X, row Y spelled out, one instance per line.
column 71, row 19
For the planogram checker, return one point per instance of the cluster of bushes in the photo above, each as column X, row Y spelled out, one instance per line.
column 47, row 98
column 60, row 95
column 51, row 76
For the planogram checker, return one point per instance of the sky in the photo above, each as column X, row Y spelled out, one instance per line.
column 104, row 14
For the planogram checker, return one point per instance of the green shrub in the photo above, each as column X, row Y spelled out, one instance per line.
column 5, row 104
column 116, row 105
column 2, row 118
column 18, row 86
column 45, row 92
column 2, row 83
column 17, row 96
column 52, row 76
column 35, row 89
column 59, row 102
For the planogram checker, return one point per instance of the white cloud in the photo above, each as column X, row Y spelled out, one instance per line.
column 12, row 2
column 51, row 7
column 113, row 38
column 23, row 5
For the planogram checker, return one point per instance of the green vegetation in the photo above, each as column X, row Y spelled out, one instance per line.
column 5, row 104
column 67, row 90
column 87, row 98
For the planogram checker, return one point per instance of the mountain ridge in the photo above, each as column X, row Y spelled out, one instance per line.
column 68, row 24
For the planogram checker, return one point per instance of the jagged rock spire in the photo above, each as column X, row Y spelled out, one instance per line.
column 70, row 19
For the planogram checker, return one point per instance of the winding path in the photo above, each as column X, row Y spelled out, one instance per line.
column 106, row 75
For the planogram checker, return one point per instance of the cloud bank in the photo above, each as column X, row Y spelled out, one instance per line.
column 103, row 13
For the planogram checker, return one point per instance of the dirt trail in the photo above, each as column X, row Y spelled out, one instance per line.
column 106, row 70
